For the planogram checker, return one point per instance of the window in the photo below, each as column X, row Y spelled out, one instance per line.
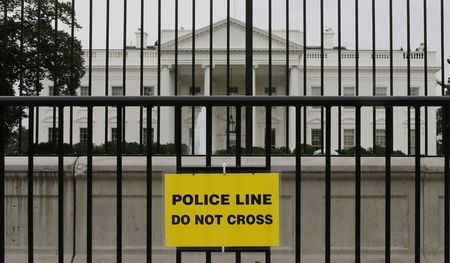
column 117, row 91
column 84, row 91
column 412, row 145
column 349, row 138
column 415, row 91
column 114, row 134
column 144, row 136
column 273, row 90
column 380, row 137
column 52, row 132
column 194, row 91
column 51, row 91
column 316, row 91
column 231, row 129
column 83, row 135
column 349, row 91
column 234, row 91
column 316, row 138
column 149, row 91
column 380, row 91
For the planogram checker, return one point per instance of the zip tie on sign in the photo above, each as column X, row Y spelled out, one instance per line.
column 224, row 168
column 223, row 249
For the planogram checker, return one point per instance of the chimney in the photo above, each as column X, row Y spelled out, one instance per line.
column 139, row 34
column 328, row 38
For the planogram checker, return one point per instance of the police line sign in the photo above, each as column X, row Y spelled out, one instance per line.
column 212, row 210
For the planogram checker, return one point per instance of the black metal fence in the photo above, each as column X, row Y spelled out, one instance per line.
column 326, row 104
column 299, row 103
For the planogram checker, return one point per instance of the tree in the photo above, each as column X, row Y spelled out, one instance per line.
column 32, row 50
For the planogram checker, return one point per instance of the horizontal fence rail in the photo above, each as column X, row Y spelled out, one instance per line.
column 217, row 101
column 329, row 106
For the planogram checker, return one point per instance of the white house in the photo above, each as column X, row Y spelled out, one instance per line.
column 260, row 87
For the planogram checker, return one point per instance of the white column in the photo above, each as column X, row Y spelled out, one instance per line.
column 167, row 113
column 294, row 90
column 254, row 108
column 207, row 92
column 207, row 82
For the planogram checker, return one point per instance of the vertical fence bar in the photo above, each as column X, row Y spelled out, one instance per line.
column 305, row 79
column 89, row 187
column 72, row 69
column 446, row 144
column 358, row 186
column 89, row 148
column 38, row 67
column 374, row 78
column 208, row 257
column 193, row 92
column 158, row 131
column 107, row 73
column 211, row 38
column 71, row 129
column 328, row 187
column 124, row 68
column 339, row 74
column 176, row 48
column 141, row 78
column 2, row 183
column 417, row 235
column 268, row 137
column 178, row 256
column 322, row 71
column 149, row 184
column 178, row 126
column 268, row 255
column 61, row 184
column 120, row 144
column 287, row 75
column 249, row 74
column 238, row 257
column 19, row 140
column 298, row 185
column 238, row 136
column 305, row 71
column 442, row 47
column 408, row 69
column 228, row 75
column 357, row 46
column 389, row 147
column 30, row 184
column 54, row 118
column 391, row 49
column 270, row 77
column 192, row 124
column 56, row 90
column 209, row 135
column 425, row 69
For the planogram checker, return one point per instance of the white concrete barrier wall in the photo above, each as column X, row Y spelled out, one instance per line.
column 312, row 220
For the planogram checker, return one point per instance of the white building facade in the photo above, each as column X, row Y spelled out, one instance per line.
column 281, row 128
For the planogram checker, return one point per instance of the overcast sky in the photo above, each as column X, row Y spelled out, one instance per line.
column 261, row 20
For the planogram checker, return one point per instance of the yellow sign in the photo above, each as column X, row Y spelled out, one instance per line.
column 213, row 210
